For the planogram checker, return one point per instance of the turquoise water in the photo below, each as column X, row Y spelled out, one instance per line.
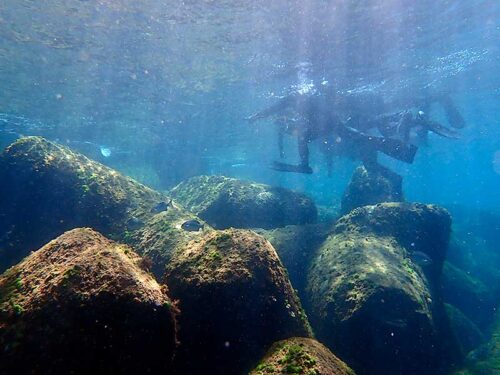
column 160, row 91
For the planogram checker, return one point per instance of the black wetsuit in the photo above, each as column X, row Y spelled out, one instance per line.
column 319, row 117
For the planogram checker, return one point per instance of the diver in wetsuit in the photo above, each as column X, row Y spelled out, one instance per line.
column 312, row 117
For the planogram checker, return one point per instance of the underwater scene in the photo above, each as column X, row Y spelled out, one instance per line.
column 227, row 187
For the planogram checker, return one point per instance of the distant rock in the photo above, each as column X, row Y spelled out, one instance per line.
column 83, row 304
column 468, row 294
column 236, row 300
column 368, row 188
column 48, row 189
column 227, row 202
column 299, row 355
column 371, row 301
column 296, row 246
column 485, row 360
column 467, row 333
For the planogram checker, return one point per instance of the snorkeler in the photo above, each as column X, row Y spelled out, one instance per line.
column 312, row 117
column 400, row 124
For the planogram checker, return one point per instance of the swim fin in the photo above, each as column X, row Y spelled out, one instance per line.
column 283, row 167
column 394, row 148
column 442, row 130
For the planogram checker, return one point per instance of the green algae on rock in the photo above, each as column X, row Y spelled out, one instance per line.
column 52, row 189
column 227, row 202
column 236, row 300
column 370, row 301
column 83, row 304
column 485, row 360
column 467, row 334
column 470, row 295
column 368, row 188
column 301, row 356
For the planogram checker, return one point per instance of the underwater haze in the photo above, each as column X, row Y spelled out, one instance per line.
column 250, row 187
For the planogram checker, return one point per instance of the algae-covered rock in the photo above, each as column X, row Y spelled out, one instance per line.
column 296, row 245
column 301, row 356
column 422, row 228
column 236, row 300
column 467, row 333
column 82, row 304
column 47, row 189
column 371, row 301
column 485, row 360
column 368, row 188
column 469, row 294
column 227, row 202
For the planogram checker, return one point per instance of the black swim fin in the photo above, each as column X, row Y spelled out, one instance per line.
column 442, row 130
column 394, row 148
column 283, row 167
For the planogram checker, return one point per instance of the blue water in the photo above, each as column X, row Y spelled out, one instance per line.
column 160, row 91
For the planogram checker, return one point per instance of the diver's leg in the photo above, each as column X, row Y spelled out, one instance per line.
column 373, row 167
column 281, row 135
column 303, row 148
column 404, row 126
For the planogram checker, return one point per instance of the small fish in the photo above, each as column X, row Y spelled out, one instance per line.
column 160, row 207
column 421, row 258
column 192, row 226
column 397, row 323
column 134, row 223
column 105, row 151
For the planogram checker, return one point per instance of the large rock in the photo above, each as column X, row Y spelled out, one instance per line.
column 236, row 300
column 370, row 299
column 485, row 360
column 226, row 202
column 468, row 335
column 469, row 294
column 82, row 304
column 303, row 356
column 47, row 189
column 296, row 245
column 368, row 188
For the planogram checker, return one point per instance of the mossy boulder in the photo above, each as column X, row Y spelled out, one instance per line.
column 422, row 228
column 468, row 294
column 48, row 189
column 296, row 245
column 370, row 187
column 369, row 299
column 301, row 356
column 485, row 360
column 468, row 335
column 82, row 304
column 236, row 300
column 227, row 202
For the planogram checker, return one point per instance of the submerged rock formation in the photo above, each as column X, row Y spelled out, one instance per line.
column 299, row 355
column 485, row 360
column 226, row 202
column 83, row 304
column 371, row 300
column 470, row 295
column 368, row 188
column 50, row 189
column 236, row 300
column 296, row 246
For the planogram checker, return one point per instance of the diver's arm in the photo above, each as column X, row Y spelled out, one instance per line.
column 281, row 136
column 278, row 107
